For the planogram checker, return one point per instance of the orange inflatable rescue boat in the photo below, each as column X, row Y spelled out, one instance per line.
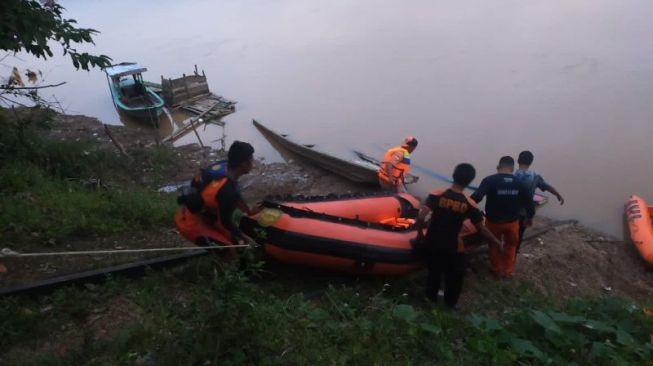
column 365, row 234
column 193, row 228
column 640, row 227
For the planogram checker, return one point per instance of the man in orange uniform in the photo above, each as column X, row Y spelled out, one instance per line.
column 444, row 252
column 507, row 196
column 396, row 165
column 219, row 197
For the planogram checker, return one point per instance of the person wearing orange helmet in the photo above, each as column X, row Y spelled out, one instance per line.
column 396, row 165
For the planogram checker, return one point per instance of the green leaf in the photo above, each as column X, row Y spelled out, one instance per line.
column 545, row 321
column 566, row 318
column 29, row 25
column 600, row 350
column 404, row 312
column 485, row 324
column 429, row 328
column 526, row 348
column 625, row 338
column 598, row 326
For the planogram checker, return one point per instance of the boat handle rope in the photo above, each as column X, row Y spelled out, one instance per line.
column 6, row 252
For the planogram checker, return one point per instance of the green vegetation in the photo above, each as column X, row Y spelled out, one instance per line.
column 201, row 316
column 51, row 190
column 29, row 26
column 32, row 27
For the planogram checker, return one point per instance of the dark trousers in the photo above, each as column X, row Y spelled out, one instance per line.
column 447, row 266
column 522, row 228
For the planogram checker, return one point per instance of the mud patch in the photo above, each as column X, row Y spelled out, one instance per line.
column 105, row 321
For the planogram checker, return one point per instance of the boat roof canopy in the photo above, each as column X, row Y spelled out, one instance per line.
column 124, row 69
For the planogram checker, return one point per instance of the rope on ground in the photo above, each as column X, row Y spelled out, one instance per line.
column 6, row 252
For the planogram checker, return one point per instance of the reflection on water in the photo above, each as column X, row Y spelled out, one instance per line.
column 472, row 80
column 169, row 123
column 165, row 124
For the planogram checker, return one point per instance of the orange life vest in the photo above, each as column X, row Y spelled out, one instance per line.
column 397, row 161
column 199, row 214
column 211, row 204
column 210, row 193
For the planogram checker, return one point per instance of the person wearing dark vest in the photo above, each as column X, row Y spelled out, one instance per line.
column 395, row 166
column 507, row 197
column 444, row 252
column 220, row 197
column 532, row 181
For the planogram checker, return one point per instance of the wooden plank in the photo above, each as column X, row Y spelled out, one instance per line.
column 192, row 89
column 115, row 142
column 190, row 125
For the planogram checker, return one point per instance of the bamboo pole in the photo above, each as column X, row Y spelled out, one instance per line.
column 191, row 124
column 115, row 142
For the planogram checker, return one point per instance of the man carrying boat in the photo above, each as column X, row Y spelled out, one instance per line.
column 506, row 198
column 532, row 181
column 396, row 165
column 216, row 198
column 444, row 252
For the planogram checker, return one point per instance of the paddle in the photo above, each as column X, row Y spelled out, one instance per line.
column 418, row 168
column 539, row 199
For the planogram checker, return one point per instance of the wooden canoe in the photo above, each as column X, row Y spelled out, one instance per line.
column 356, row 170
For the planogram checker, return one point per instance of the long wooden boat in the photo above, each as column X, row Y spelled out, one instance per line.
column 131, row 94
column 356, row 170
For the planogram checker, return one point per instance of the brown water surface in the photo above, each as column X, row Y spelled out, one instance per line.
column 570, row 80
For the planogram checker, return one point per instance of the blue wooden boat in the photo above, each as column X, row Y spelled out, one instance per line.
column 131, row 95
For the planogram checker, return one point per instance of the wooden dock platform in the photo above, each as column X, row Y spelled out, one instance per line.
column 207, row 103
column 191, row 94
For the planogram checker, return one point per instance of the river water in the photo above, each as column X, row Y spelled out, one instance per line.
column 571, row 80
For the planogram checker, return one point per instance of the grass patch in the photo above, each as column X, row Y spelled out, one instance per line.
column 221, row 317
column 47, row 194
column 39, row 206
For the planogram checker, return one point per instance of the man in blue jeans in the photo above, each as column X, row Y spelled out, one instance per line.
column 532, row 181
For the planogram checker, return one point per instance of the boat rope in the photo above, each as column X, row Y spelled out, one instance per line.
column 6, row 252
column 327, row 197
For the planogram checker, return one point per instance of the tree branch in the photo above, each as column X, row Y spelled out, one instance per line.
column 33, row 87
column 11, row 102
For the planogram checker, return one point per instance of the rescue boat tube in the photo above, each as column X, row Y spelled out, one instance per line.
column 331, row 233
column 640, row 227
column 372, row 207
column 193, row 229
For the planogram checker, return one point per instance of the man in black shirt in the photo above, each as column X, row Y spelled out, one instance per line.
column 507, row 198
column 444, row 252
